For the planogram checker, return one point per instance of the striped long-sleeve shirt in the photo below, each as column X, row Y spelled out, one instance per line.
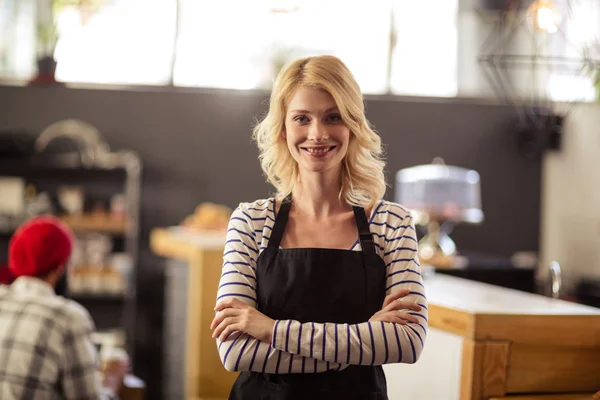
column 317, row 347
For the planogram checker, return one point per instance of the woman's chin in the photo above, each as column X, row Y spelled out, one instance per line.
column 321, row 168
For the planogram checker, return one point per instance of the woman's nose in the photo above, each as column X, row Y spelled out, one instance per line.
column 317, row 132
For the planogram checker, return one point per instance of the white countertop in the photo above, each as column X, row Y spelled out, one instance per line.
column 204, row 239
column 482, row 298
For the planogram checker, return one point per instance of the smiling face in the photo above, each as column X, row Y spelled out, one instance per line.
column 316, row 136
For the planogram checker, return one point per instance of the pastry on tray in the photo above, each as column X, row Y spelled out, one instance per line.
column 208, row 217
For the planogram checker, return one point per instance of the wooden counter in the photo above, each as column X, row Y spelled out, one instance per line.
column 516, row 342
column 506, row 342
column 204, row 377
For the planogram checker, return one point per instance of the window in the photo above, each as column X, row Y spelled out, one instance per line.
column 582, row 31
column 17, row 38
column 123, row 42
column 425, row 56
column 240, row 44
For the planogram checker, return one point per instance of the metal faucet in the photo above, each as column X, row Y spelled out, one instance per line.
column 555, row 279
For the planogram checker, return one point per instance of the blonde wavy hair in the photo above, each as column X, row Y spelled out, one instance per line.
column 363, row 180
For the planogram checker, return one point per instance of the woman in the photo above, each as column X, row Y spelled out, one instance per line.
column 302, row 307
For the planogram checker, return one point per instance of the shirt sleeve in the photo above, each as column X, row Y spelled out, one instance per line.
column 242, row 352
column 369, row 343
column 80, row 373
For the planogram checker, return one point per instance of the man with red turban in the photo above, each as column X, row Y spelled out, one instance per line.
column 46, row 351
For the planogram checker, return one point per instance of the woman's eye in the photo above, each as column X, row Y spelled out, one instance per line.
column 301, row 119
column 334, row 118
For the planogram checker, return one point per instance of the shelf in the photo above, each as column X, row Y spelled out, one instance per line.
column 88, row 223
column 91, row 223
column 97, row 297
column 66, row 174
column 51, row 166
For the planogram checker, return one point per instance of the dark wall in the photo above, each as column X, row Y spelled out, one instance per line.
column 196, row 147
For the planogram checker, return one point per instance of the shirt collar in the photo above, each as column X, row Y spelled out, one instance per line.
column 32, row 286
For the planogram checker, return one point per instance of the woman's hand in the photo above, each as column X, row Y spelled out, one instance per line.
column 390, row 312
column 234, row 315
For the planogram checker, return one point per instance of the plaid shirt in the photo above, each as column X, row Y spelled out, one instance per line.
column 46, row 350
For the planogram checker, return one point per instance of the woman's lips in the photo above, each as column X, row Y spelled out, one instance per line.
column 318, row 151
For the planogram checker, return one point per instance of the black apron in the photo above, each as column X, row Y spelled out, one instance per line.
column 318, row 285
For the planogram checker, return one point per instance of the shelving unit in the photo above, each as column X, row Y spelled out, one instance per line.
column 115, row 172
column 91, row 223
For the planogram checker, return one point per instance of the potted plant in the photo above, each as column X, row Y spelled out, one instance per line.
column 46, row 64
column 47, row 32
column 47, row 37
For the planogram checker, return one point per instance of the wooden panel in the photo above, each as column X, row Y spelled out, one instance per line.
column 494, row 368
column 558, row 330
column 546, row 369
column 484, row 369
column 205, row 375
column 214, row 380
column 471, row 385
column 452, row 321
column 194, row 328
column 575, row 396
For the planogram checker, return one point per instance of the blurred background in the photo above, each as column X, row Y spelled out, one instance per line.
column 124, row 116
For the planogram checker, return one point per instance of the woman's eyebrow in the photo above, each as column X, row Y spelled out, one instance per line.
column 330, row 109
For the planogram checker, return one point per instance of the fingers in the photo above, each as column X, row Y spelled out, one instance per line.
column 391, row 297
column 395, row 317
column 401, row 305
column 229, row 329
column 230, row 302
column 407, row 317
column 224, row 328
column 221, row 315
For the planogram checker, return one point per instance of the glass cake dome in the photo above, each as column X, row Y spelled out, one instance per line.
column 439, row 196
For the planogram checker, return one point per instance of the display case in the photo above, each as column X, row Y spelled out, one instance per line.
column 96, row 192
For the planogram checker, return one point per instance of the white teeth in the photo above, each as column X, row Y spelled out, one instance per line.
column 319, row 150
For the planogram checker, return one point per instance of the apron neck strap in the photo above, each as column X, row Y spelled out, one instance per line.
column 364, row 233
column 281, row 219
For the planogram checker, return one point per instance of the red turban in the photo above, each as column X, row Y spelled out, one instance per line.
column 39, row 246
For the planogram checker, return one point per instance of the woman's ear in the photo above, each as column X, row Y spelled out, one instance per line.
column 283, row 133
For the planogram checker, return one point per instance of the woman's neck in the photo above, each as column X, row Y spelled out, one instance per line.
column 318, row 195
